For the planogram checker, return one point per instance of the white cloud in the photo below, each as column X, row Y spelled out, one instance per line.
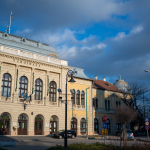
column 122, row 35
column 136, row 30
column 21, row 33
column 99, row 46
column 59, row 37
column 66, row 52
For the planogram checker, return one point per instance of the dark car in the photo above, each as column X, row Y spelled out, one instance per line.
column 61, row 133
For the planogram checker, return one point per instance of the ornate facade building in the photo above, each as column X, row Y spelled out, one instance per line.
column 31, row 74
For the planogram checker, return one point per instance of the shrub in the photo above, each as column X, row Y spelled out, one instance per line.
column 84, row 146
column 99, row 146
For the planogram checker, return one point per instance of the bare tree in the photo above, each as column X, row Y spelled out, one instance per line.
column 125, row 114
column 133, row 97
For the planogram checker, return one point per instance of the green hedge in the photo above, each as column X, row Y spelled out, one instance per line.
column 99, row 146
column 84, row 146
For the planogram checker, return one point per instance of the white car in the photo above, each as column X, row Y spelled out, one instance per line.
column 130, row 135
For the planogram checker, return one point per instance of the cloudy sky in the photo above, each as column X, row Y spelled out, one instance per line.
column 105, row 37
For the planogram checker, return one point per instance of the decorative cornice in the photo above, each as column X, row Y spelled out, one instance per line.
column 32, row 62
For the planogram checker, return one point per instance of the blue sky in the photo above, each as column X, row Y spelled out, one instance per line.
column 105, row 37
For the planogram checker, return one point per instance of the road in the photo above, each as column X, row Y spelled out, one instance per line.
column 43, row 142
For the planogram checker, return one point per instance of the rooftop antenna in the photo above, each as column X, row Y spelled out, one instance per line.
column 107, row 78
column 119, row 77
column 11, row 18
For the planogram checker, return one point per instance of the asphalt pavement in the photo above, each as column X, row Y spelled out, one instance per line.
column 44, row 142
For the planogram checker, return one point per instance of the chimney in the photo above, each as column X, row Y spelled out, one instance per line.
column 95, row 77
column 104, row 79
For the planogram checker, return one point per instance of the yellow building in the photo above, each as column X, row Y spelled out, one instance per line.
column 106, row 97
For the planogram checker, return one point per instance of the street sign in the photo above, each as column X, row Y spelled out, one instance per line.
column 104, row 131
column 105, row 125
column 146, row 119
column 147, row 123
column 147, row 127
column 104, row 118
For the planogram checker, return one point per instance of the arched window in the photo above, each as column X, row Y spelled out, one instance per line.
column 108, row 104
column 73, row 96
column 6, row 85
column 93, row 102
column 23, row 85
column 78, row 97
column 119, row 103
column 52, row 91
column 83, row 126
column 82, row 98
column 116, row 103
column 38, row 89
column 105, row 104
column 96, row 103
column 96, row 126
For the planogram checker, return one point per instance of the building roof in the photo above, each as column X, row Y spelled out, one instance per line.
column 122, row 85
column 79, row 73
column 28, row 45
column 104, row 85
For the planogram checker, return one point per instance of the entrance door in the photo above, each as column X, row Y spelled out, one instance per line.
column 22, row 124
column 53, row 127
column 83, row 126
column 53, row 124
column 4, row 126
column 38, row 127
column 96, row 129
column 74, row 124
column 108, row 126
column 22, row 127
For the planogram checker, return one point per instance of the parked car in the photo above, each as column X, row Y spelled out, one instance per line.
column 130, row 135
column 61, row 133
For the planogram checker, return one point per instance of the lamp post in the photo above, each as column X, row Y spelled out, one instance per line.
column 70, row 72
column 143, row 96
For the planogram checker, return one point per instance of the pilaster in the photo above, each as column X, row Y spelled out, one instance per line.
column 0, row 77
column 47, row 88
column 32, row 86
column 15, row 99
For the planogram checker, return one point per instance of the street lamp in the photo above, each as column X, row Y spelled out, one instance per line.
column 143, row 95
column 146, row 70
column 70, row 73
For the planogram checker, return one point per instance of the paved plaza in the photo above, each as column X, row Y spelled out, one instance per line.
column 44, row 142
